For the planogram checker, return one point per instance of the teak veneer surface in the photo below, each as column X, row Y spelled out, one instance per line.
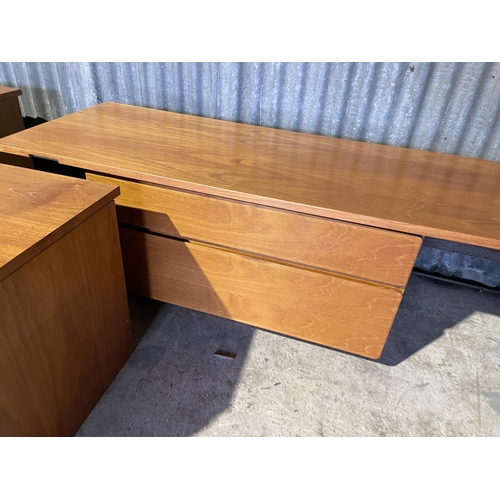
column 9, row 92
column 64, row 330
column 39, row 208
column 310, row 305
column 418, row 192
column 375, row 254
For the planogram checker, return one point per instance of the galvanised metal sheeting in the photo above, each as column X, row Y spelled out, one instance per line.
column 445, row 107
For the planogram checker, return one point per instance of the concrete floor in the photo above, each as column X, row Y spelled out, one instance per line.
column 439, row 375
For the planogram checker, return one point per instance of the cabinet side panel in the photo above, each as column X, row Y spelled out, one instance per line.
column 64, row 331
column 11, row 119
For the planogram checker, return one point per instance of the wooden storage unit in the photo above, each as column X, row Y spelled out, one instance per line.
column 64, row 324
column 11, row 121
column 309, row 236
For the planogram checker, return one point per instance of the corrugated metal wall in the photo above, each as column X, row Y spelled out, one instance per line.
column 445, row 107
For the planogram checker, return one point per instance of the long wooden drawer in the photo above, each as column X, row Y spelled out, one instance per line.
column 312, row 305
column 350, row 249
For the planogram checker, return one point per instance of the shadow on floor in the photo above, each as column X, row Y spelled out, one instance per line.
column 427, row 311
column 173, row 385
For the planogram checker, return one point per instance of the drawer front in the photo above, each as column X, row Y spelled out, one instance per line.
column 360, row 251
column 316, row 306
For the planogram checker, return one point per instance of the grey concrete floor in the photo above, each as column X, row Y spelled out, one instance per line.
column 439, row 375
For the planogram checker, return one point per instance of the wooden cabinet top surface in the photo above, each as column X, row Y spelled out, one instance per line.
column 9, row 92
column 412, row 191
column 38, row 208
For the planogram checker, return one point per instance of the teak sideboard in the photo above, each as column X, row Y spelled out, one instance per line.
column 311, row 236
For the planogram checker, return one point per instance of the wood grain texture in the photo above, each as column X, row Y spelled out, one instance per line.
column 11, row 119
column 361, row 251
column 417, row 192
column 64, row 331
column 315, row 306
column 9, row 92
column 37, row 208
